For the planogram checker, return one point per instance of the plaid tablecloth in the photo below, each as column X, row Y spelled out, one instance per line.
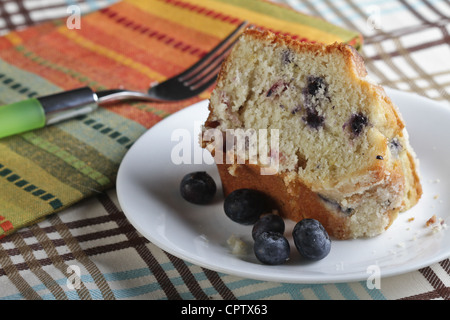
column 406, row 46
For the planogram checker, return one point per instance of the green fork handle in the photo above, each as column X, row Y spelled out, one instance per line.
column 38, row 112
column 21, row 116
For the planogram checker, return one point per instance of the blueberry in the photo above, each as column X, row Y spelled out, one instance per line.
column 334, row 203
column 315, row 87
column 313, row 119
column 395, row 146
column 268, row 222
column 296, row 109
column 286, row 57
column 311, row 239
column 314, row 84
column 271, row 248
column 357, row 123
column 245, row 206
column 198, row 187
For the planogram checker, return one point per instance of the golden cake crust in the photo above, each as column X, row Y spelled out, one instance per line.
column 295, row 202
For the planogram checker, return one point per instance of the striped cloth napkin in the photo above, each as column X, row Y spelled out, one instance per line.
column 129, row 44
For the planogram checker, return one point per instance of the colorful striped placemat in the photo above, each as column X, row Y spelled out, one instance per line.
column 129, row 44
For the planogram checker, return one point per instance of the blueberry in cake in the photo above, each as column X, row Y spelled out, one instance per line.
column 343, row 154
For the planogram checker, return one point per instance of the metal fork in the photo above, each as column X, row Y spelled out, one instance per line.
column 38, row 112
column 187, row 84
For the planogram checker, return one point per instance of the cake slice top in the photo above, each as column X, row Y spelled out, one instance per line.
column 339, row 132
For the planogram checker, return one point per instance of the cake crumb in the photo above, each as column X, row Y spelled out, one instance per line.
column 340, row 266
column 237, row 246
column 436, row 196
column 411, row 219
column 232, row 169
column 436, row 224
column 431, row 221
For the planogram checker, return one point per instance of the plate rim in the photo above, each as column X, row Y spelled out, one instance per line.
column 331, row 278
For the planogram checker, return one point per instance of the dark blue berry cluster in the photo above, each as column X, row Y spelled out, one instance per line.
column 270, row 246
column 251, row 207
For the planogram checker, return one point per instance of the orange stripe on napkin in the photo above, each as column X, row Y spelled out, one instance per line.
column 6, row 226
column 118, row 57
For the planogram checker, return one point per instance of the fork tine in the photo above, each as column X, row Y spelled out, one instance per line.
column 206, row 59
column 203, row 86
column 201, row 76
column 211, row 74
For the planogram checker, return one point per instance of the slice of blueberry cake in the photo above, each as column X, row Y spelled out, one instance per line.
column 340, row 146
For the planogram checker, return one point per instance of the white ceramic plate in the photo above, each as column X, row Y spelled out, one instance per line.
column 148, row 192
